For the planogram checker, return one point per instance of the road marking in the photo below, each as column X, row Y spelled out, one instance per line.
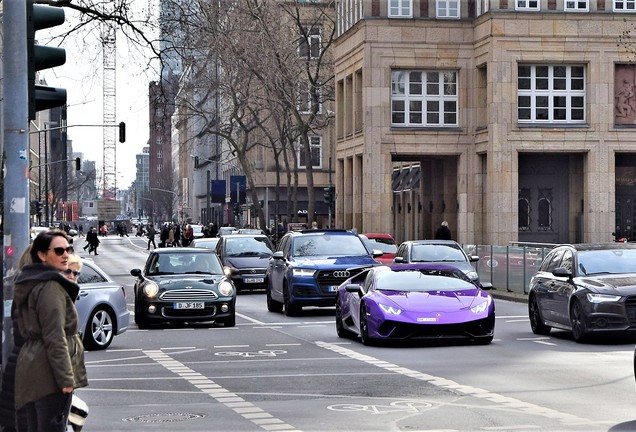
column 255, row 414
column 444, row 383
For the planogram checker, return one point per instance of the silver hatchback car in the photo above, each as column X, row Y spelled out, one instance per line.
column 101, row 307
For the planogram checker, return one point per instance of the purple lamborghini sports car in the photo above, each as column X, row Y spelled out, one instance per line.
column 414, row 301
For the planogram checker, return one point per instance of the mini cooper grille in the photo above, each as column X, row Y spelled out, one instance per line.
column 335, row 277
column 189, row 295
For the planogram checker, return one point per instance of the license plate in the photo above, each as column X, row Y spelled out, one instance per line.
column 254, row 280
column 189, row 305
column 332, row 288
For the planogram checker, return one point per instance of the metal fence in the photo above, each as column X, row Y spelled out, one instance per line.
column 508, row 267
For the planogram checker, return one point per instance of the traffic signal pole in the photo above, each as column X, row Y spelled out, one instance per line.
column 15, row 143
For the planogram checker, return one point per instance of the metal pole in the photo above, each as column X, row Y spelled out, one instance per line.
column 16, row 149
column 46, row 181
column 207, row 199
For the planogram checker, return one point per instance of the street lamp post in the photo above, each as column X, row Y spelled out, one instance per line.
column 176, row 196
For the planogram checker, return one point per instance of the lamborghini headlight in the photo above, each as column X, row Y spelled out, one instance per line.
column 602, row 298
column 390, row 309
column 226, row 288
column 151, row 289
column 480, row 308
column 303, row 272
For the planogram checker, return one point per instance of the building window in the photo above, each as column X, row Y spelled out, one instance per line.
column 524, row 210
column 158, row 168
column 447, row 8
column 306, row 100
column 315, row 143
column 551, row 94
column 527, row 5
column 576, row 5
column 624, row 5
column 545, row 210
column 424, row 98
column 159, row 154
column 310, row 43
column 401, row 8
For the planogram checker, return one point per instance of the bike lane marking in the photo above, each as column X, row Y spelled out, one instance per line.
column 441, row 382
column 246, row 409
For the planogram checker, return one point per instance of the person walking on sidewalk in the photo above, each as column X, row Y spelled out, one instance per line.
column 93, row 241
column 151, row 236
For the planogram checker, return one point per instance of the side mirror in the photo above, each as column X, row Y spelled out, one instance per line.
column 398, row 260
column 561, row 272
column 486, row 286
column 376, row 253
column 277, row 255
column 474, row 258
column 354, row 288
column 136, row 272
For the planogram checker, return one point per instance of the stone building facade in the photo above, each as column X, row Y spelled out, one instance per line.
column 512, row 120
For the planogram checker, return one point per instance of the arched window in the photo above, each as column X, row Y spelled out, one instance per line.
column 545, row 210
column 524, row 210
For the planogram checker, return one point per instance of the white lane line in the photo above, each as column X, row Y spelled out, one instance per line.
column 257, row 416
column 255, row 321
column 441, row 382
column 510, row 316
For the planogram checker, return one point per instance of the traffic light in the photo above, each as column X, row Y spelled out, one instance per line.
column 237, row 209
column 78, row 164
column 122, row 132
column 329, row 195
column 43, row 57
column 196, row 162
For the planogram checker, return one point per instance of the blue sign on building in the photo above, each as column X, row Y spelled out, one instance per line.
column 237, row 189
column 217, row 191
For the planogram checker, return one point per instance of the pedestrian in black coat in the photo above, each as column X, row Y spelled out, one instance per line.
column 443, row 232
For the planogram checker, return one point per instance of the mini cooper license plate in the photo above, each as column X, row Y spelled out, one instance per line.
column 254, row 280
column 189, row 305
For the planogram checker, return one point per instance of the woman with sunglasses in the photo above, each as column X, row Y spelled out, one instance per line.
column 74, row 267
column 51, row 362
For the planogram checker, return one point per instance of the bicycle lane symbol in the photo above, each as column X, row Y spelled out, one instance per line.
column 248, row 354
column 393, row 407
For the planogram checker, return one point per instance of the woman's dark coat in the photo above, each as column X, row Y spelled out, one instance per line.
column 52, row 356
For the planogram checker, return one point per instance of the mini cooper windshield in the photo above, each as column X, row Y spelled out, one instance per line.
column 183, row 263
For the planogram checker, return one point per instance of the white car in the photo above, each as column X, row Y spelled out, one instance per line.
column 37, row 230
column 101, row 307
column 197, row 231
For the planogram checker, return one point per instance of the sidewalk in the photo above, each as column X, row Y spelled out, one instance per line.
column 503, row 294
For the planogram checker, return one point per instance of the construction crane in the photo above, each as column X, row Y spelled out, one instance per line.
column 109, row 50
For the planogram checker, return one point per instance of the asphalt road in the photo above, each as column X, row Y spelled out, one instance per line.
column 278, row 373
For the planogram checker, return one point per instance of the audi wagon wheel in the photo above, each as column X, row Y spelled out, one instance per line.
column 272, row 305
column 577, row 319
column 99, row 331
column 536, row 321
column 341, row 331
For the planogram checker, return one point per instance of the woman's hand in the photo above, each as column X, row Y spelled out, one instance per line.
column 67, row 390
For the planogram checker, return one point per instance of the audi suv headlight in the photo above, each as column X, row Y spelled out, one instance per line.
column 151, row 289
column 472, row 275
column 602, row 298
column 303, row 272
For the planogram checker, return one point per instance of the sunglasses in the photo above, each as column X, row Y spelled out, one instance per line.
column 69, row 271
column 59, row 251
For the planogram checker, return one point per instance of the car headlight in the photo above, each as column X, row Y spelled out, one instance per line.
column 602, row 298
column 226, row 288
column 303, row 272
column 472, row 275
column 480, row 308
column 390, row 309
column 151, row 289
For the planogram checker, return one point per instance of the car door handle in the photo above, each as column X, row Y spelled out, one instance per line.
column 83, row 294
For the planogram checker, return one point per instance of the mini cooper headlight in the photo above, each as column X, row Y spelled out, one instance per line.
column 151, row 289
column 226, row 288
column 390, row 309
column 602, row 298
column 303, row 272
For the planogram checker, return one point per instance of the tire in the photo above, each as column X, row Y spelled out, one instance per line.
column 341, row 331
column 291, row 309
column 364, row 327
column 100, row 329
column 272, row 305
column 140, row 318
column 577, row 319
column 536, row 321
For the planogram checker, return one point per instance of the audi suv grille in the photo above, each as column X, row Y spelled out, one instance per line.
column 335, row 277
